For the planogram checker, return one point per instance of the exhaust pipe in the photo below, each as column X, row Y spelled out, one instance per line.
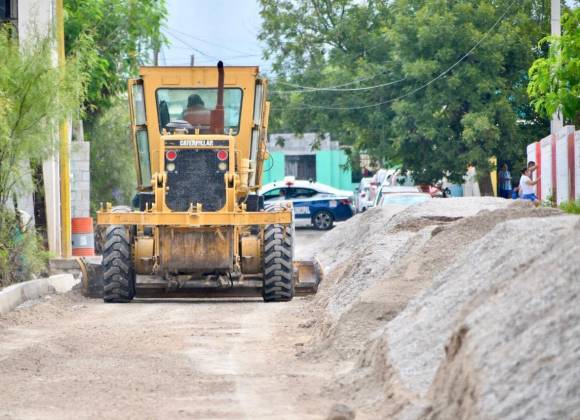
column 217, row 115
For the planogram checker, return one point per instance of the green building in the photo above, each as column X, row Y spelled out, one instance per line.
column 307, row 157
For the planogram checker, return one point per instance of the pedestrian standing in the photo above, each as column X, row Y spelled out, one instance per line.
column 505, row 182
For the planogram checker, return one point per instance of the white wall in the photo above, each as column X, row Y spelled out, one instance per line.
column 577, row 163
column 38, row 17
column 562, row 171
column 546, row 181
column 35, row 17
column 566, row 172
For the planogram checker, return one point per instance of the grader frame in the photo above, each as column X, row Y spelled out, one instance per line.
column 200, row 229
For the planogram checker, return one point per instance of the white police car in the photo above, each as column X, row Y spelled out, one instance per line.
column 314, row 204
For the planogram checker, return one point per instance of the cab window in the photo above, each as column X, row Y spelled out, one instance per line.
column 143, row 153
column 195, row 106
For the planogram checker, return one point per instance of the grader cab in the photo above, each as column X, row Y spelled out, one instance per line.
column 198, row 226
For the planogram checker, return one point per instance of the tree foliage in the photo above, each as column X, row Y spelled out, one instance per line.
column 436, row 105
column 115, row 37
column 555, row 79
column 112, row 159
column 36, row 97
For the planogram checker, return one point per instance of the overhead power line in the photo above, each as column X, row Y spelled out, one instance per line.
column 337, row 89
column 423, row 86
column 213, row 58
column 215, row 44
column 314, row 88
column 170, row 32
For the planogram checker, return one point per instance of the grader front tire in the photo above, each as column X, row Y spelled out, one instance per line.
column 278, row 263
column 118, row 270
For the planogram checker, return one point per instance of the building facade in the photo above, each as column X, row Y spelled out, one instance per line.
column 307, row 157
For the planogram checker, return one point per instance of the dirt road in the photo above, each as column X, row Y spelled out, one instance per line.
column 69, row 357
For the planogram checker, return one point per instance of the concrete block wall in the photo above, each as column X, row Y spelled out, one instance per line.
column 80, row 179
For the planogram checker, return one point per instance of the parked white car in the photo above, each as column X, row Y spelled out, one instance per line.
column 394, row 189
column 403, row 199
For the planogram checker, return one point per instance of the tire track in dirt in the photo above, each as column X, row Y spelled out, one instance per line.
column 69, row 357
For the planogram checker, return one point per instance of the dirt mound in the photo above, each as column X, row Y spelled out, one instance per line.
column 364, row 320
column 497, row 335
column 357, row 253
column 371, row 246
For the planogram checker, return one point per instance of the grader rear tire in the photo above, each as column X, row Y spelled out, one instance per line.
column 278, row 263
column 118, row 270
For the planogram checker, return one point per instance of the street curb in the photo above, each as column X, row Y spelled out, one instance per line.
column 17, row 294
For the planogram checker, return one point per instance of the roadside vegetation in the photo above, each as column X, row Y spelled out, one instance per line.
column 431, row 85
column 572, row 207
column 555, row 79
column 35, row 96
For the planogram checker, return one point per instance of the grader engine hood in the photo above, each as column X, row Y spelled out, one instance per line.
column 196, row 172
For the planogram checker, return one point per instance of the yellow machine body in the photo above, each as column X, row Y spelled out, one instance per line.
column 199, row 225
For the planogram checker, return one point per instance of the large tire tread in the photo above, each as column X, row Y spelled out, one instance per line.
column 278, row 263
column 119, row 274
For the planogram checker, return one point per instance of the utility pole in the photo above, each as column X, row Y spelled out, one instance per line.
column 64, row 164
column 192, row 61
column 556, row 122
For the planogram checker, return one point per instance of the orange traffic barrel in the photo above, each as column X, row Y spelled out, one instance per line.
column 83, row 239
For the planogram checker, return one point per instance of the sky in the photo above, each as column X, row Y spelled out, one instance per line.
column 213, row 30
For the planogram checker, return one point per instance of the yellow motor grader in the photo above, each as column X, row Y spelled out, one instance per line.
column 198, row 225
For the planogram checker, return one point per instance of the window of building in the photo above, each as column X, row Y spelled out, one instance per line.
column 8, row 10
column 301, row 166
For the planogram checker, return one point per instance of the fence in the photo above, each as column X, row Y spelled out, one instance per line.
column 558, row 160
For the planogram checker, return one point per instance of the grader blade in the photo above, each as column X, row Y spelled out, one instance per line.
column 308, row 275
column 92, row 278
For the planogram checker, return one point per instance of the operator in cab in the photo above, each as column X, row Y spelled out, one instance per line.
column 196, row 113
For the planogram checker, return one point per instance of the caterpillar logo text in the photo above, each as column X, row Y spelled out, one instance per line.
column 196, row 143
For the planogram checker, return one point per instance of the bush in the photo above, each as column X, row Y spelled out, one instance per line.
column 572, row 207
column 22, row 254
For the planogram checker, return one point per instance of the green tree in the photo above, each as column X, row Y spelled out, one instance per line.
column 115, row 37
column 437, row 102
column 112, row 157
column 555, row 79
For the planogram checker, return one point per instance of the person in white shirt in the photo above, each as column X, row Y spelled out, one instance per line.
column 381, row 175
column 527, row 186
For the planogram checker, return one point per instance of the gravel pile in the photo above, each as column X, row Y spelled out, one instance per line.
column 430, row 302
column 498, row 334
column 358, row 253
